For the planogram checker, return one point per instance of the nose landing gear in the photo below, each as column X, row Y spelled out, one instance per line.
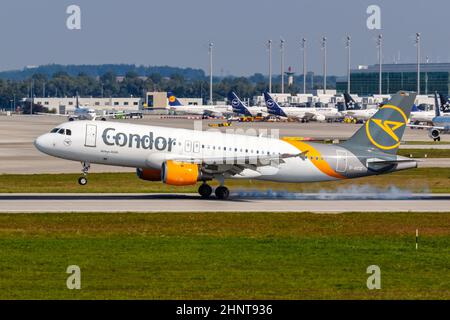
column 83, row 180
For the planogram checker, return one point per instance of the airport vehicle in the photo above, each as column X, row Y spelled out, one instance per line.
column 354, row 111
column 441, row 121
column 184, row 157
column 240, row 108
column 209, row 110
column 299, row 113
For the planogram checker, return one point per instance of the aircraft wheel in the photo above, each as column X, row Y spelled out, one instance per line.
column 71, row 119
column 205, row 190
column 103, row 119
column 82, row 181
column 222, row 193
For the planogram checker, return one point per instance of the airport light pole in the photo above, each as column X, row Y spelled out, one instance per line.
column 282, row 64
column 380, row 61
column 418, row 61
column 324, row 48
column 426, row 77
column 303, row 46
column 348, row 46
column 269, row 47
column 210, row 71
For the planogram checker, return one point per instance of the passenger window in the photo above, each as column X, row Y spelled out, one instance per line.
column 68, row 132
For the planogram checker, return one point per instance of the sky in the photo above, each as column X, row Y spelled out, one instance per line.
column 177, row 33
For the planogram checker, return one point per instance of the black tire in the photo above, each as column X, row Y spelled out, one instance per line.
column 205, row 190
column 71, row 119
column 82, row 181
column 222, row 193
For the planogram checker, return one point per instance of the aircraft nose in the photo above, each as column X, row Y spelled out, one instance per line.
column 43, row 143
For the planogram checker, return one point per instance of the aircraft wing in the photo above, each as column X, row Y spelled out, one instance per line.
column 53, row 114
column 425, row 126
column 235, row 165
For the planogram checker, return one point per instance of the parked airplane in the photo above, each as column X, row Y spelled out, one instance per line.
column 217, row 111
column 303, row 114
column 441, row 122
column 420, row 116
column 355, row 111
column 184, row 157
column 87, row 113
column 240, row 108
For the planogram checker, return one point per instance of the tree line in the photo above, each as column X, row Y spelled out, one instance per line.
column 62, row 84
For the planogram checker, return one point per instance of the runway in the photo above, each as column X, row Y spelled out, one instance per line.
column 314, row 202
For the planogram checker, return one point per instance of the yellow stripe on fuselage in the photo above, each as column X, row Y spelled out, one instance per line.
column 317, row 160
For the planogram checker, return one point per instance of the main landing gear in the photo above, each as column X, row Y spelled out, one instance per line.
column 221, row 192
column 83, row 180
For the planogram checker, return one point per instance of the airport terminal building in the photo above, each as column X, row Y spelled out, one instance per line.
column 364, row 80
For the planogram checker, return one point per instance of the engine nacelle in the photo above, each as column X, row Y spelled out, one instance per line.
column 180, row 173
column 149, row 174
column 434, row 134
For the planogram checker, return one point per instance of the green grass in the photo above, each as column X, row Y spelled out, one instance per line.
column 224, row 255
column 417, row 180
column 420, row 153
column 431, row 142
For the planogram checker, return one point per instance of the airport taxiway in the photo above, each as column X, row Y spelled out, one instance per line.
column 317, row 203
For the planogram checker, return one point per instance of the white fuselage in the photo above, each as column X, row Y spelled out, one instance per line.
column 140, row 146
column 422, row 116
column 360, row 114
column 85, row 114
column 201, row 110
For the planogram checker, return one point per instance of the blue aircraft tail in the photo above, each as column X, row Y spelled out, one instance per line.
column 173, row 101
column 445, row 103
column 437, row 106
column 238, row 106
column 272, row 106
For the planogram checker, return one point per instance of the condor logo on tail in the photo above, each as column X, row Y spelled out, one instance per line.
column 386, row 138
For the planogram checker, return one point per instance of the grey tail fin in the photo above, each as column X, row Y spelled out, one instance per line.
column 384, row 131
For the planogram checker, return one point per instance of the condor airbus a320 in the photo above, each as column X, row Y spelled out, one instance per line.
column 185, row 157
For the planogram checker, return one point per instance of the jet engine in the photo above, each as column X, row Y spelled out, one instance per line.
column 434, row 134
column 149, row 174
column 180, row 173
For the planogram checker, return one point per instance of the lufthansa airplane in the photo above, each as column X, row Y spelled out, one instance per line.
column 317, row 114
column 217, row 111
column 240, row 108
column 184, row 157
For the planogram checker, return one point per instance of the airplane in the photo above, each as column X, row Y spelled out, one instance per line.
column 217, row 111
column 87, row 113
column 302, row 114
column 240, row 108
column 420, row 116
column 183, row 157
column 441, row 122
column 355, row 111
column 83, row 113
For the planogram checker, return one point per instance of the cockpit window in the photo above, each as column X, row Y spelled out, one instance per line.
column 61, row 131
column 54, row 130
column 68, row 132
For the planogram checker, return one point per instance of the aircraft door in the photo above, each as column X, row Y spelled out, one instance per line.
column 341, row 160
column 91, row 135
